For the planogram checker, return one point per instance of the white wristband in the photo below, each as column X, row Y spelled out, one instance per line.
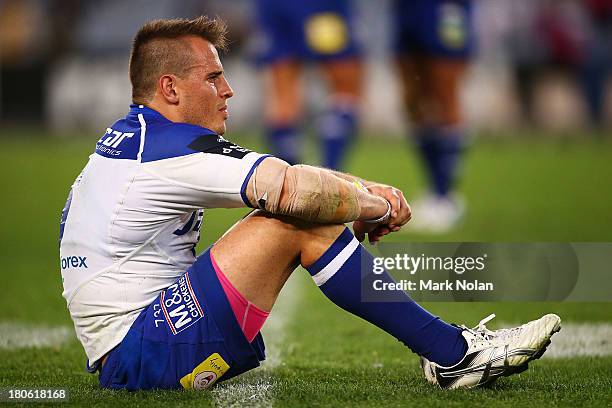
column 383, row 218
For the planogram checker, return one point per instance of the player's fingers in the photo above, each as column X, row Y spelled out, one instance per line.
column 394, row 227
column 378, row 233
column 398, row 206
column 406, row 211
column 388, row 193
column 375, row 238
column 393, row 198
column 398, row 201
column 383, row 230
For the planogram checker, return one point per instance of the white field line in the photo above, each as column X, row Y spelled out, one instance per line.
column 257, row 388
column 16, row 335
column 581, row 340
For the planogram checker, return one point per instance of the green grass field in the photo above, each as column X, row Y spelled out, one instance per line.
column 521, row 189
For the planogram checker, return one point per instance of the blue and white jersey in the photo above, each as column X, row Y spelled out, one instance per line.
column 134, row 214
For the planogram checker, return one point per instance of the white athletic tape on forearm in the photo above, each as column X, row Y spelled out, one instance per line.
column 310, row 193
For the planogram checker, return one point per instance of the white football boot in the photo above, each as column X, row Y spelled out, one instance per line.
column 492, row 354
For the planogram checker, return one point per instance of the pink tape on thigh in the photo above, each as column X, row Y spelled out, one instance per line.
column 250, row 318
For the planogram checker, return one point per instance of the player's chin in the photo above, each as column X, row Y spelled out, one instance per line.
column 220, row 130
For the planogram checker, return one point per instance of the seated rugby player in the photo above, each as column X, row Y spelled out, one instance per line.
column 150, row 314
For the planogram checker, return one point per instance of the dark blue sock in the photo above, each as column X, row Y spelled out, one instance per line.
column 441, row 148
column 428, row 150
column 337, row 130
column 345, row 275
column 285, row 143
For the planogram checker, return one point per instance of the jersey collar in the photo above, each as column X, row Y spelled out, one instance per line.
column 148, row 113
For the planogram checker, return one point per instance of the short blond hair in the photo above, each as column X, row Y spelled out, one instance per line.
column 159, row 49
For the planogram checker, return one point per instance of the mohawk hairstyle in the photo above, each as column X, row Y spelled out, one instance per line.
column 159, row 49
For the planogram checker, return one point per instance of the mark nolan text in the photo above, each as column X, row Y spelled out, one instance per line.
column 423, row 284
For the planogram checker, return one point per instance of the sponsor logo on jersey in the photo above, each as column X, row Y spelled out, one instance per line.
column 74, row 262
column 180, row 305
column 109, row 143
column 326, row 33
column 206, row 373
column 193, row 224
column 452, row 27
column 218, row 145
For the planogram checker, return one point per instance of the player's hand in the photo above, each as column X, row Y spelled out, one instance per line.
column 375, row 231
column 400, row 210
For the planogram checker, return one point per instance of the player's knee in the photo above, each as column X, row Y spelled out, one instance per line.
column 447, row 110
column 442, row 108
column 308, row 229
column 414, row 111
column 414, row 103
column 284, row 91
column 345, row 78
column 311, row 239
column 284, row 112
column 451, row 116
column 275, row 224
column 414, row 108
column 316, row 240
column 447, row 77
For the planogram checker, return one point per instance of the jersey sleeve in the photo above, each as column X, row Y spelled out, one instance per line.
column 213, row 179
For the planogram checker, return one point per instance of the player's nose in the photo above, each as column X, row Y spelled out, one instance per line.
column 226, row 90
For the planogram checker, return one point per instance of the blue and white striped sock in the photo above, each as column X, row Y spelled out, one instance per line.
column 345, row 270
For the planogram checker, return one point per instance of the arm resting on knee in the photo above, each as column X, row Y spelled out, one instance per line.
column 311, row 193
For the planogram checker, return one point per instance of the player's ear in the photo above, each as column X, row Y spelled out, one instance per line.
column 167, row 87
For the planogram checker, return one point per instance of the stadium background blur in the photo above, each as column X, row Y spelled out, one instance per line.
column 539, row 169
column 527, row 50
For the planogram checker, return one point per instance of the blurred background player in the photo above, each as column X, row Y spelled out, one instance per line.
column 597, row 64
column 433, row 40
column 291, row 34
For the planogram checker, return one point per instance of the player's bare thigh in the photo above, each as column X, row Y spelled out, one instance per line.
column 431, row 88
column 414, row 77
column 283, row 92
column 260, row 252
column 447, row 74
column 344, row 78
